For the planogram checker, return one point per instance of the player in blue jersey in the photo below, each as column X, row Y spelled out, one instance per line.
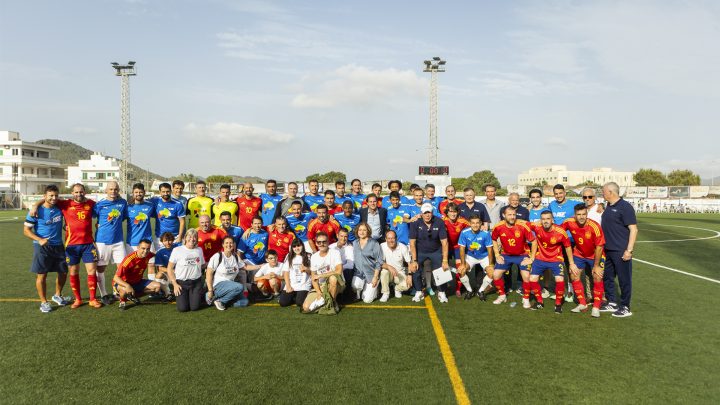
column 299, row 222
column 270, row 200
column 162, row 258
column 476, row 255
column 561, row 207
column 340, row 196
column 398, row 217
column 45, row 229
column 234, row 231
column 170, row 215
column 348, row 219
column 356, row 194
column 139, row 213
column 432, row 199
column 313, row 198
column 254, row 245
column 177, row 189
column 395, row 185
column 110, row 213
column 416, row 203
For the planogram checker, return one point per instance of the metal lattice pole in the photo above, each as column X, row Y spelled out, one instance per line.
column 125, row 71
column 434, row 66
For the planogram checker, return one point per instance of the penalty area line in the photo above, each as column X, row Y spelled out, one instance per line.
column 678, row 271
column 457, row 383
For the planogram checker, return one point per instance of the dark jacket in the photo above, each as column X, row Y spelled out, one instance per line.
column 383, row 220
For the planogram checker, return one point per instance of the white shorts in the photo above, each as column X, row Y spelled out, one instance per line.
column 116, row 252
column 471, row 261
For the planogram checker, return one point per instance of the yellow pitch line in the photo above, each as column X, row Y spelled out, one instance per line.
column 457, row 383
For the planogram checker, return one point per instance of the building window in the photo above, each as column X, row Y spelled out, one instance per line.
column 101, row 176
column 84, row 175
column 14, row 152
column 564, row 180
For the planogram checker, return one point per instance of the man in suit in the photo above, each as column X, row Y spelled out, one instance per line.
column 376, row 217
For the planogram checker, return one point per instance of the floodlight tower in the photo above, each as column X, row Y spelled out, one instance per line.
column 434, row 66
column 124, row 71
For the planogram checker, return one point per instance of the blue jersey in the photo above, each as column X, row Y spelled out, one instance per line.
column 299, row 225
column 48, row 224
column 349, row 223
column 403, row 201
column 110, row 215
column 269, row 205
column 563, row 211
column 255, row 246
column 313, row 201
column 358, row 200
column 535, row 214
column 169, row 214
column 138, row 222
column 182, row 199
column 236, row 233
column 413, row 209
column 476, row 244
column 162, row 257
column 395, row 222
column 435, row 202
column 340, row 200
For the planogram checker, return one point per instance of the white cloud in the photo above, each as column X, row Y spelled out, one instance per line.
column 360, row 86
column 234, row 134
column 556, row 141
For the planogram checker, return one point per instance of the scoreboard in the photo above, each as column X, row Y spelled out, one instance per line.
column 434, row 170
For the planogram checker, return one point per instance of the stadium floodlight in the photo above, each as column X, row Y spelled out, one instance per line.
column 124, row 71
column 433, row 67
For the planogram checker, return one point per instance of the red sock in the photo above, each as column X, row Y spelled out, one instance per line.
column 458, row 284
column 559, row 292
column 598, row 291
column 535, row 287
column 579, row 292
column 500, row 285
column 92, row 284
column 75, row 285
column 526, row 290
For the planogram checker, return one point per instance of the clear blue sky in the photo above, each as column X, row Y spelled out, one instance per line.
column 285, row 89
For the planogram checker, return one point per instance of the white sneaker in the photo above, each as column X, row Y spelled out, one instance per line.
column 219, row 305
column 398, row 294
column 317, row 304
column 418, row 296
column 526, row 303
column 595, row 312
column 579, row 308
column 545, row 293
column 385, row 297
column 358, row 294
column 500, row 299
column 442, row 297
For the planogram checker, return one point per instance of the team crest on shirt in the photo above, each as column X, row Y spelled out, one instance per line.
column 588, row 235
column 286, row 240
column 553, row 240
column 86, row 207
column 517, row 234
column 212, row 237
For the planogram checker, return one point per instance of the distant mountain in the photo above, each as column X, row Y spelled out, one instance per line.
column 70, row 153
column 707, row 182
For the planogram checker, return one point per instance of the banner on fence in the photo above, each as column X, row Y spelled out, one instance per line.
column 657, row 192
column 678, row 191
column 636, row 192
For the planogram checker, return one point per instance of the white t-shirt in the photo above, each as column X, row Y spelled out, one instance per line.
column 325, row 264
column 594, row 214
column 346, row 254
column 226, row 268
column 188, row 262
column 266, row 269
column 299, row 280
column 397, row 257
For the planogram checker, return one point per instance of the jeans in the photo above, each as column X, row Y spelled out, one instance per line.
column 230, row 292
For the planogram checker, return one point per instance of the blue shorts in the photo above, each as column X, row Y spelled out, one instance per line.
column 48, row 258
column 539, row 267
column 583, row 263
column 87, row 253
column 453, row 256
column 138, row 288
column 510, row 260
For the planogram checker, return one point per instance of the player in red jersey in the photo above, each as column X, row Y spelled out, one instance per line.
column 209, row 237
column 514, row 236
column 333, row 208
column 454, row 224
column 548, row 254
column 79, row 243
column 325, row 223
column 449, row 198
column 280, row 238
column 249, row 205
column 588, row 255
column 129, row 281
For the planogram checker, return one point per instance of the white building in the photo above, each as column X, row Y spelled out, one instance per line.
column 27, row 167
column 559, row 174
column 94, row 173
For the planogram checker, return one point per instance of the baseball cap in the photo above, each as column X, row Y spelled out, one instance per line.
column 427, row 207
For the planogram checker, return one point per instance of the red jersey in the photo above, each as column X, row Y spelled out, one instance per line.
column 550, row 243
column 132, row 268
column 78, row 221
column 454, row 229
column 445, row 202
column 248, row 209
column 331, row 227
column 587, row 237
column 210, row 242
column 514, row 239
column 335, row 210
column 280, row 242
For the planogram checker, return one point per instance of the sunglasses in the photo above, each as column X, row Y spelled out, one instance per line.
column 587, row 197
column 321, row 242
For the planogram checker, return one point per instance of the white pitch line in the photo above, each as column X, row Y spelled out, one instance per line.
column 717, row 234
column 678, row 271
column 9, row 219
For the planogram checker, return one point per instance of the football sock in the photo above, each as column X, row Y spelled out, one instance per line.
column 526, row 290
column 559, row 292
column 465, row 280
column 537, row 291
column 75, row 285
column 598, row 291
column 500, row 285
column 579, row 293
column 458, row 283
column 92, row 282
column 485, row 284
column 101, row 284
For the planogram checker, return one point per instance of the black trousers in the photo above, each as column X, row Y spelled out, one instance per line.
column 191, row 295
column 286, row 299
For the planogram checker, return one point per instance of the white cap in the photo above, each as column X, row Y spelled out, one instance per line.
column 427, row 207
